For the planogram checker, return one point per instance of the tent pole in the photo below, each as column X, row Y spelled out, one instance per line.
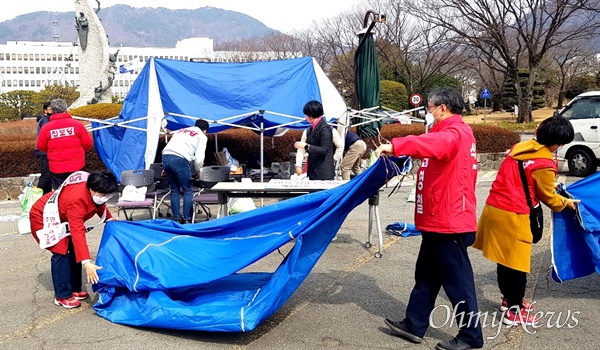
column 262, row 142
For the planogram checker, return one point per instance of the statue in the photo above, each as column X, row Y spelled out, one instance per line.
column 112, row 61
column 82, row 26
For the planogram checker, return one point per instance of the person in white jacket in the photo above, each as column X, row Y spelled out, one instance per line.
column 182, row 158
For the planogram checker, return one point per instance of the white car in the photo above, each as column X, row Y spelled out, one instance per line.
column 583, row 154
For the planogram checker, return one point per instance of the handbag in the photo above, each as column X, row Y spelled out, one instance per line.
column 536, row 215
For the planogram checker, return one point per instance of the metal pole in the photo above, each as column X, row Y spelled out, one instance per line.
column 484, row 107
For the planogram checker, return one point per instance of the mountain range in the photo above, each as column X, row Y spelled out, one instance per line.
column 139, row 27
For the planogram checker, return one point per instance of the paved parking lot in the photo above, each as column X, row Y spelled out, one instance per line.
column 340, row 305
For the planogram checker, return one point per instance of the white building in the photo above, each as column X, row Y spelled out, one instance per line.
column 28, row 65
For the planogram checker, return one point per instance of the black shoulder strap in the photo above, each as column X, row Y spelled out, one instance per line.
column 524, row 182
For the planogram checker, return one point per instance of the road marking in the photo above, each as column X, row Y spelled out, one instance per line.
column 64, row 313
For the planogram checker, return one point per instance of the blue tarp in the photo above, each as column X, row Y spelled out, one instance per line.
column 225, row 94
column 576, row 234
column 158, row 273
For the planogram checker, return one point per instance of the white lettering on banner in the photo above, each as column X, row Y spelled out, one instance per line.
column 57, row 133
column 420, row 203
column 425, row 163
column 473, row 152
column 420, row 180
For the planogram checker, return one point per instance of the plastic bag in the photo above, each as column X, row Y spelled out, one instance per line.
column 133, row 194
column 232, row 162
column 29, row 196
column 240, row 205
column 372, row 158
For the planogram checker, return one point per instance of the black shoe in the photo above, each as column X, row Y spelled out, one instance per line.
column 400, row 329
column 454, row 344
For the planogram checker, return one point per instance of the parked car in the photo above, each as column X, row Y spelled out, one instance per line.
column 583, row 154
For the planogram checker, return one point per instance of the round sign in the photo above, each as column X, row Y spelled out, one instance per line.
column 415, row 99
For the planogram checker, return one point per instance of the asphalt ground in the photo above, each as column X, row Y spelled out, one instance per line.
column 340, row 305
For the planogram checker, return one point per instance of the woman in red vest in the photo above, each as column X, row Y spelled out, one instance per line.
column 503, row 233
column 81, row 196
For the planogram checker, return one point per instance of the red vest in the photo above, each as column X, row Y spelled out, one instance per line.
column 445, row 196
column 507, row 190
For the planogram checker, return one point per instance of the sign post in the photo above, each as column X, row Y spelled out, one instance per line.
column 485, row 94
column 415, row 100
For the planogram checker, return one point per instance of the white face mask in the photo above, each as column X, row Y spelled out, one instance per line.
column 429, row 118
column 100, row 199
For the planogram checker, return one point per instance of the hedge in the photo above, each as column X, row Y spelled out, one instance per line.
column 16, row 151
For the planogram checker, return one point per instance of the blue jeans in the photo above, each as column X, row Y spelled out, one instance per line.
column 179, row 175
column 66, row 273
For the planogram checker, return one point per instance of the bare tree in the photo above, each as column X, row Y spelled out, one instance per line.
column 572, row 59
column 513, row 33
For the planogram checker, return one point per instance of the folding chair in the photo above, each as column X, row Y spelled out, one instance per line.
column 161, row 191
column 209, row 176
column 137, row 178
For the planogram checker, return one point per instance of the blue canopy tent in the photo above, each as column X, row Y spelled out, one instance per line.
column 158, row 273
column 576, row 235
column 261, row 96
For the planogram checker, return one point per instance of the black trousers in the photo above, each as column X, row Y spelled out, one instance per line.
column 443, row 262
column 44, row 181
column 512, row 285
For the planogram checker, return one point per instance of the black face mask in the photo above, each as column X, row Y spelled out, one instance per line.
column 48, row 114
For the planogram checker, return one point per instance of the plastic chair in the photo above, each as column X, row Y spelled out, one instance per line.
column 209, row 176
column 162, row 190
column 137, row 178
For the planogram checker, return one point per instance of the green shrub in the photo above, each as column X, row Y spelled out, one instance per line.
column 244, row 145
column 98, row 111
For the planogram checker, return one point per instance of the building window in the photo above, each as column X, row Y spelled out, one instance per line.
column 54, row 57
column 19, row 57
column 8, row 83
column 38, row 83
column 43, row 70
column 43, row 57
column 37, row 70
column 15, row 72
column 26, row 70
column 76, row 70
column 3, row 82
column 20, row 70
column 1, row 70
column 31, row 57
column 76, row 58
column 25, row 57
column 1, row 57
column 48, row 57
column 27, row 83
column 14, row 58
column 37, row 56
column 20, row 82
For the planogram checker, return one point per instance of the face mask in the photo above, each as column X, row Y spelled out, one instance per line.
column 100, row 200
column 429, row 118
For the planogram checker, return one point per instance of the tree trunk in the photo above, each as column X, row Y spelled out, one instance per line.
column 524, row 99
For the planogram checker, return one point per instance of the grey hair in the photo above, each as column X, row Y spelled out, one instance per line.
column 447, row 96
column 58, row 105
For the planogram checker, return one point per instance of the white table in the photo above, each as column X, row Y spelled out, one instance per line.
column 278, row 188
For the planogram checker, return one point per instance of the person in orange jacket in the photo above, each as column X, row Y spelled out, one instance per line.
column 445, row 213
column 58, row 224
column 65, row 140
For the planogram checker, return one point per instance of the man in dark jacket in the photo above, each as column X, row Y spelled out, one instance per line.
column 44, row 181
column 66, row 141
column 318, row 145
